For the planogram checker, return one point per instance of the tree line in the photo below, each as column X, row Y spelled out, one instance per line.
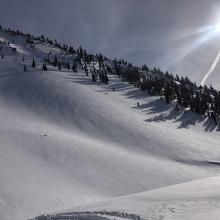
column 203, row 100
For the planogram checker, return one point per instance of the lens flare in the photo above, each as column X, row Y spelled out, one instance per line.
column 211, row 70
column 216, row 28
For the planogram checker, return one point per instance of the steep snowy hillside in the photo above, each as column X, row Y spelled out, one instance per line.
column 66, row 142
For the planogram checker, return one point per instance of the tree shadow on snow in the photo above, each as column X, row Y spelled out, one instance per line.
column 154, row 106
column 119, row 86
column 135, row 93
column 188, row 119
column 164, row 116
column 115, row 85
column 160, row 110
column 184, row 119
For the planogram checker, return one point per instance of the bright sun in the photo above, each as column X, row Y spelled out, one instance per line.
column 216, row 28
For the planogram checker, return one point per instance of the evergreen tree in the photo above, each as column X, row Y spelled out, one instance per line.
column 68, row 66
column 44, row 67
column 74, row 67
column 59, row 66
column 93, row 77
column 167, row 94
column 86, row 70
column 55, row 61
column 33, row 63
column 106, row 79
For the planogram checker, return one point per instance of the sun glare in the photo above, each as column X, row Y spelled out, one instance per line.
column 216, row 28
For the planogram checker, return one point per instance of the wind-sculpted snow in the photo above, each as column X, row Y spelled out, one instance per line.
column 87, row 215
column 67, row 143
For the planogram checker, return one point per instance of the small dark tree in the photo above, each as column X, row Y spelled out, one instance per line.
column 33, row 63
column 44, row 67
column 74, row 67
column 86, row 70
column 68, row 66
column 105, row 78
column 93, row 77
column 59, row 66
column 167, row 94
column 55, row 61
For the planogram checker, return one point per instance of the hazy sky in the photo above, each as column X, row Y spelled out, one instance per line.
column 164, row 33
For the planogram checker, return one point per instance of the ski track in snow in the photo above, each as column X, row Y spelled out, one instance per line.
column 70, row 144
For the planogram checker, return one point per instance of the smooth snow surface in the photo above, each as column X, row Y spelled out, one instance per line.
column 67, row 143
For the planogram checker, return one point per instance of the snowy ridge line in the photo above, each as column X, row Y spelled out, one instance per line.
column 89, row 215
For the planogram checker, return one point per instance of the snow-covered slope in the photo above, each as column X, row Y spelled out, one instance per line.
column 197, row 200
column 66, row 142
